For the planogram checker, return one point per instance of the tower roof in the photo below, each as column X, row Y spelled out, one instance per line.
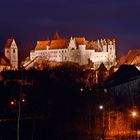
column 4, row 61
column 56, row 36
column 8, row 43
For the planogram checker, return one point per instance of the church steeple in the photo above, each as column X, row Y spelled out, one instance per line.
column 14, row 55
column 11, row 52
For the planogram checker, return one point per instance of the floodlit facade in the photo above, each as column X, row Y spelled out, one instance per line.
column 77, row 50
column 9, row 60
column 11, row 52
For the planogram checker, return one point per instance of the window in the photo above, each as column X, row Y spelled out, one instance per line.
column 14, row 51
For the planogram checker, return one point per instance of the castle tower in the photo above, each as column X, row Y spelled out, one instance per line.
column 72, row 44
column 11, row 52
column 104, row 45
column 82, row 57
column 111, row 52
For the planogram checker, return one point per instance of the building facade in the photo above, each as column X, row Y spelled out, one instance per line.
column 77, row 50
column 10, row 57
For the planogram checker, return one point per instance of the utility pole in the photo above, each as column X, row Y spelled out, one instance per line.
column 19, row 110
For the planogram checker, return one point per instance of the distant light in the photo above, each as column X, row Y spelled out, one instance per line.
column 12, row 102
column 101, row 107
column 23, row 100
column 105, row 90
column 81, row 89
column 134, row 114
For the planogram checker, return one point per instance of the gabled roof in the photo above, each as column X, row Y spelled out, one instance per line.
column 80, row 40
column 8, row 43
column 59, row 44
column 56, row 36
column 41, row 45
column 124, row 74
column 132, row 57
column 91, row 45
column 102, row 67
column 4, row 61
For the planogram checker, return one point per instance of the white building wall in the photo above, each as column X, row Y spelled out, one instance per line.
column 73, row 56
column 58, row 55
column 79, row 55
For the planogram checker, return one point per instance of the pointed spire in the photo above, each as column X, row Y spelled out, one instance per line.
column 8, row 42
column 71, row 38
column 56, row 36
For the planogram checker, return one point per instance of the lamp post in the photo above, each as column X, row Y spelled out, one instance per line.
column 101, row 107
column 134, row 127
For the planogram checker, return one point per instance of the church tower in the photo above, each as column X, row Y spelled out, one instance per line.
column 11, row 52
column 14, row 55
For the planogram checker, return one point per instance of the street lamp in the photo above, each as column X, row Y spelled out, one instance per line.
column 134, row 127
column 134, row 114
column 101, row 107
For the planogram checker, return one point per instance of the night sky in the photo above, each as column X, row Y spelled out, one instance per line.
column 31, row 20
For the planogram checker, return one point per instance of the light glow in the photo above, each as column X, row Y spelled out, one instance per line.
column 101, row 107
column 134, row 114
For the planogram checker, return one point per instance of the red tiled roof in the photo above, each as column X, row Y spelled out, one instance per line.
column 80, row 40
column 8, row 43
column 4, row 61
column 59, row 44
column 41, row 45
column 91, row 45
column 131, row 57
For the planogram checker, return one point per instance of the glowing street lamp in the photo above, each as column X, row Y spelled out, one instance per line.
column 81, row 89
column 134, row 114
column 13, row 102
column 134, row 127
column 101, row 107
column 23, row 100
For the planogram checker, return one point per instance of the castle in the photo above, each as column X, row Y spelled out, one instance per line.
column 76, row 49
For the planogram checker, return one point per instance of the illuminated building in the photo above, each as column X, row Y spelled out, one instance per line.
column 77, row 50
column 10, row 58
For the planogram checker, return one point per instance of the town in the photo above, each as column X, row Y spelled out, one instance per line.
column 70, row 89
